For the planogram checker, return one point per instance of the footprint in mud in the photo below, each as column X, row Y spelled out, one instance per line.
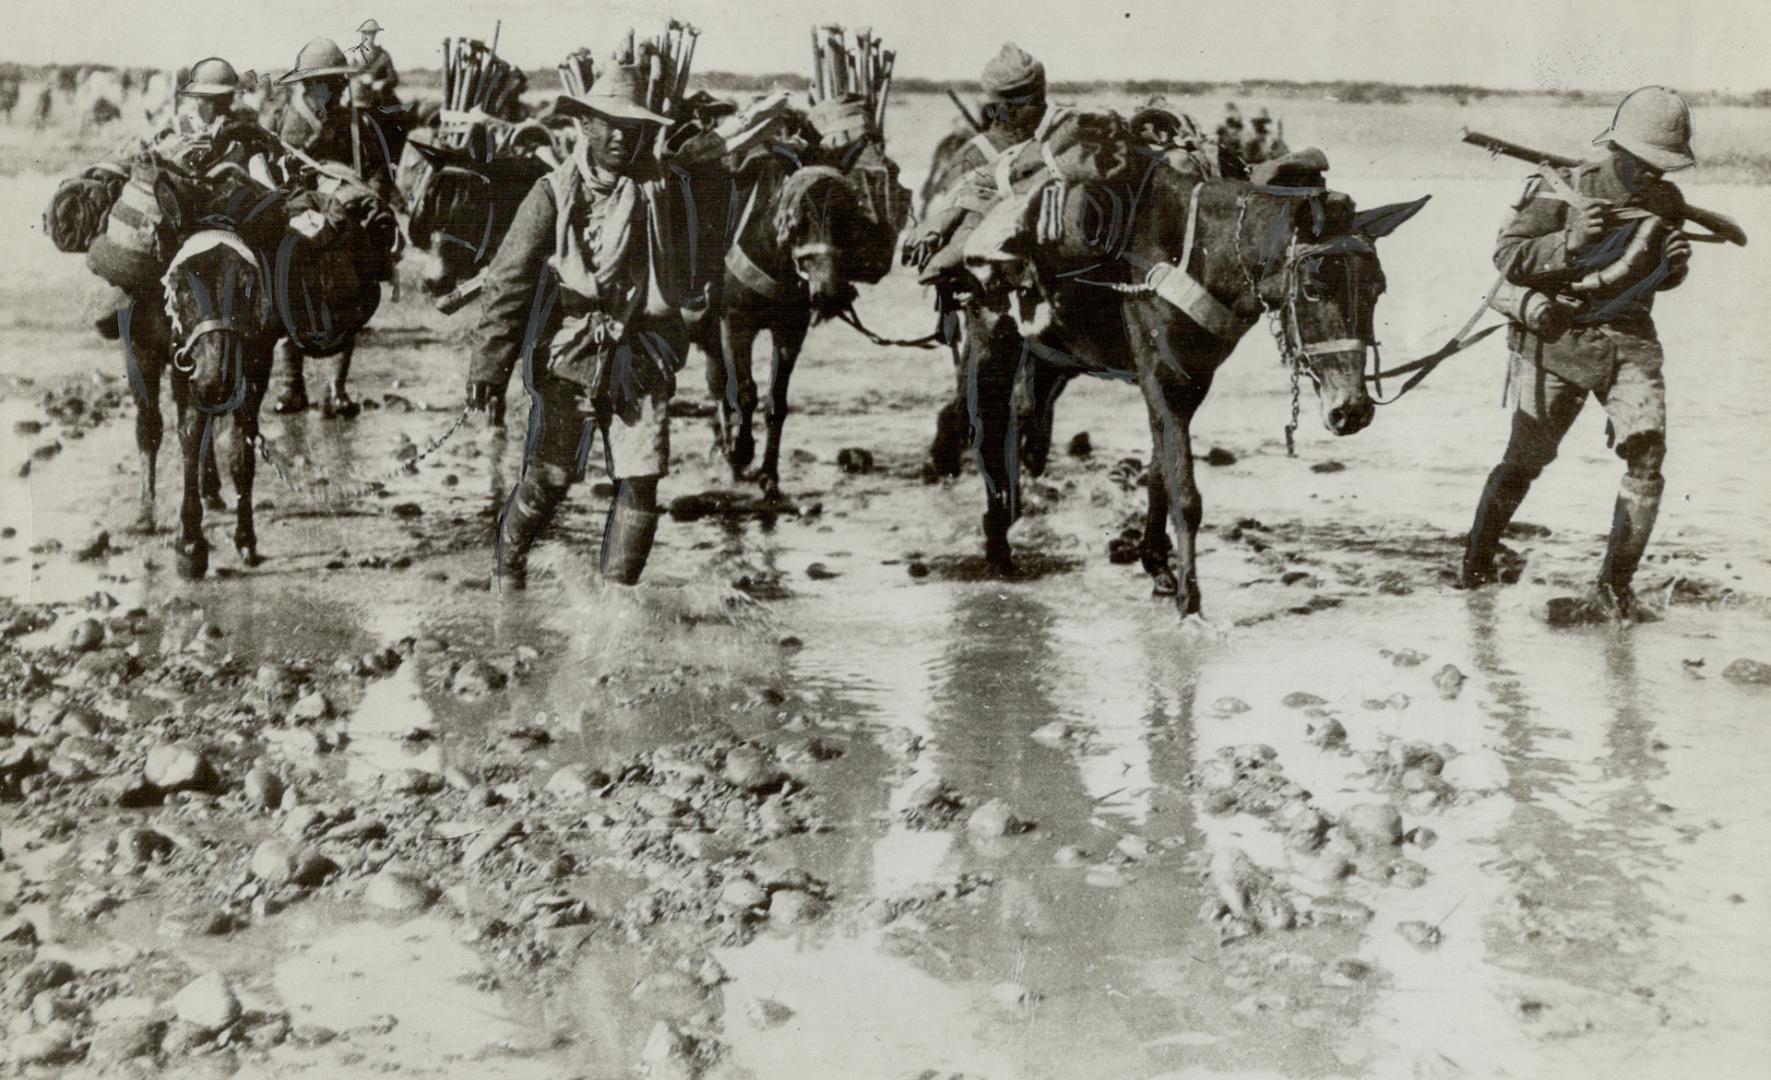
column 1028, row 566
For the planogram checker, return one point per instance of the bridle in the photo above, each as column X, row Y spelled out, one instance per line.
column 1298, row 355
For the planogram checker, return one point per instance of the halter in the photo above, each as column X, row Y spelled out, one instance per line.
column 1282, row 318
column 188, row 337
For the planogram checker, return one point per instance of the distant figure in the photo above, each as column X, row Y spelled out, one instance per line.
column 377, row 77
column 317, row 118
column 8, row 94
column 1263, row 143
column 1230, row 130
column 45, row 105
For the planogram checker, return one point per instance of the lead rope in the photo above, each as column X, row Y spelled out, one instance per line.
column 928, row 341
column 368, row 487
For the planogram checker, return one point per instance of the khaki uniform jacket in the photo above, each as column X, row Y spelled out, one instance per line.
column 1532, row 251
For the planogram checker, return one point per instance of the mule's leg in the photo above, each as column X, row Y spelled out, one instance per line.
column 1156, row 548
column 738, row 403
column 210, row 480
column 194, row 430
column 288, row 360
column 1036, row 403
column 1172, row 404
column 245, row 448
column 991, row 365
column 947, row 451
column 786, row 339
column 338, row 401
column 144, row 358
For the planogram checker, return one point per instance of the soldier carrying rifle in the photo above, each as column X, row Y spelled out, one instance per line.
column 1586, row 250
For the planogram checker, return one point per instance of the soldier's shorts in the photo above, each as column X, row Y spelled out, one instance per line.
column 1634, row 398
column 568, row 435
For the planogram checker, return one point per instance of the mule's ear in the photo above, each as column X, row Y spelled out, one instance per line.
column 167, row 196
column 1381, row 222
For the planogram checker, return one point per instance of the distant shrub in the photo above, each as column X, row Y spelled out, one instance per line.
column 1748, row 166
column 1370, row 93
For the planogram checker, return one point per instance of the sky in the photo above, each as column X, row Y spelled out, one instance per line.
column 1512, row 44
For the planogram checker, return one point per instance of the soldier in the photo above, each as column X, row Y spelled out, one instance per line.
column 376, row 75
column 1595, row 243
column 317, row 118
column 1230, row 130
column 572, row 295
column 1014, row 106
column 1262, row 143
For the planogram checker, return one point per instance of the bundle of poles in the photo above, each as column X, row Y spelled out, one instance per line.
column 664, row 59
column 475, row 78
column 862, row 67
column 578, row 72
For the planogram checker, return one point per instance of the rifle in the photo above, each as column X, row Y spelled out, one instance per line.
column 963, row 111
column 1720, row 227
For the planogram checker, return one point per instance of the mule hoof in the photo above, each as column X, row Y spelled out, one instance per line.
column 193, row 561
column 743, row 452
column 291, row 402
column 340, row 407
column 249, row 555
column 933, row 472
column 215, row 503
column 1164, row 584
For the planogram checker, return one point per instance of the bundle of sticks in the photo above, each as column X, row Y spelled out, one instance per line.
column 476, row 79
column 841, row 67
column 577, row 72
column 665, row 60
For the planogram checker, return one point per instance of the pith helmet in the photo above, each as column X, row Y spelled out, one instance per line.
column 1263, row 116
column 1654, row 124
column 316, row 60
column 618, row 94
column 211, row 77
column 370, row 26
column 1011, row 73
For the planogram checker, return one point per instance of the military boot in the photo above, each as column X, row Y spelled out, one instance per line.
column 530, row 508
column 1501, row 496
column 1632, row 523
column 627, row 543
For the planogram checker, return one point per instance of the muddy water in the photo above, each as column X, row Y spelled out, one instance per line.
column 1598, row 881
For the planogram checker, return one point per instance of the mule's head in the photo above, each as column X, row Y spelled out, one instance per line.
column 1319, row 277
column 216, row 295
column 461, row 201
column 819, row 220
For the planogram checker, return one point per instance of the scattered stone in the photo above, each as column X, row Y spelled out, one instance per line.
column 398, row 890
column 86, row 635
column 1449, row 682
column 934, row 805
column 791, row 907
column 573, row 783
column 1081, row 445
column 1219, row 456
column 177, row 767
column 1249, row 895
column 312, row 707
column 819, row 572
column 1329, row 466
column 854, row 459
column 1298, row 699
column 994, row 820
column 1229, row 706
column 125, row 1039
column 742, row 894
column 918, row 569
column 1327, row 734
column 1069, row 855
column 198, row 921
column 1748, row 673
column 274, row 863
column 1372, row 827
column 207, row 1003
column 45, row 1046
column 476, row 678
column 97, row 547
column 746, row 767
column 1419, row 934
column 1056, row 733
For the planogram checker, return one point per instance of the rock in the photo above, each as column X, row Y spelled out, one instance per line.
column 1080, row 445
column 86, row 635
column 1449, row 682
column 45, row 1046
column 142, row 845
column 1329, row 466
column 207, row 1003
column 1056, row 733
column 854, row 459
column 1134, row 848
column 274, row 863
column 742, row 894
column 819, row 572
column 177, row 767
column 489, row 841
column 125, row 1039
column 666, row 1047
column 747, row 768
column 917, row 569
column 1408, row 874
column 1297, row 699
column 574, row 783
column 394, row 889
column 1420, row 935
column 1248, row 893
column 1229, row 706
column 475, row 678
column 994, row 820
column 262, row 788
column 97, row 547
column 1748, row 673
column 35, row 978
column 310, row 708
column 1069, row 855
column 790, row 907
column 1329, row 734
column 312, row 870
column 188, row 922
column 1373, row 827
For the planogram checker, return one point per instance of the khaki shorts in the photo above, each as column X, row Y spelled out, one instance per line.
column 568, row 435
column 1634, row 397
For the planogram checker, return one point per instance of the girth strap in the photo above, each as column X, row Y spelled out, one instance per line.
column 752, row 276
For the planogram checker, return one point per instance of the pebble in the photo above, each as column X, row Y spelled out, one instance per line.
column 177, row 767
column 1219, row 456
column 1069, row 855
column 42, row 1047
column 96, row 547
column 207, row 1003
column 790, row 907
column 1419, row 934
column 263, row 788
column 1329, row 734
column 747, row 768
column 572, row 783
column 1748, row 672
column 1081, row 445
column 854, row 459
column 994, row 820
column 86, row 635
column 1372, row 826
column 819, row 572
column 741, row 894
column 274, row 863
column 124, row 1040
column 311, row 707
column 1297, row 699
column 1229, row 706
column 1449, row 682
column 1056, row 733
column 393, row 889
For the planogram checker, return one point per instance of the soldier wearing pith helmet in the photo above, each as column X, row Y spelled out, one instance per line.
column 573, row 298
column 1588, row 249
column 375, row 67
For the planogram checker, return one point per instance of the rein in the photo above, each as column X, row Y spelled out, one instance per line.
column 927, row 341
